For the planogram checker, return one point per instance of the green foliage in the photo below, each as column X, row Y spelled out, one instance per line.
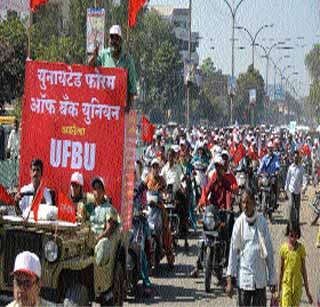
column 312, row 62
column 251, row 79
column 13, row 45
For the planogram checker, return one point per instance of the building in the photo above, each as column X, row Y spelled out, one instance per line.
column 179, row 19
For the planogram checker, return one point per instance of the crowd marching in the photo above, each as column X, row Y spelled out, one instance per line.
column 241, row 172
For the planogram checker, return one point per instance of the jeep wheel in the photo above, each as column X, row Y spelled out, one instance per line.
column 118, row 290
column 77, row 296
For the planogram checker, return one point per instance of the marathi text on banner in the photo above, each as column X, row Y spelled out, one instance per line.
column 73, row 120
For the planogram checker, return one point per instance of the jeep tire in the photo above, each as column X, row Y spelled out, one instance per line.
column 118, row 289
column 77, row 295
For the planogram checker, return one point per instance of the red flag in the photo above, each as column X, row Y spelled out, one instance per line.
column 5, row 197
column 239, row 154
column 35, row 3
column 133, row 10
column 66, row 209
column 147, row 130
column 37, row 200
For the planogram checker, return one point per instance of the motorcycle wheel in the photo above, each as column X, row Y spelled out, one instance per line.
column 132, row 274
column 264, row 206
column 208, row 269
column 156, row 255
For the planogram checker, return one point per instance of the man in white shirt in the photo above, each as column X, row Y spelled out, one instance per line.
column 25, row 196
column 251, row 258
column 293, row 187
column 172, row 172
column 14, row 142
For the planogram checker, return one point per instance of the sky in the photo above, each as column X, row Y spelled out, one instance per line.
column 292, row 19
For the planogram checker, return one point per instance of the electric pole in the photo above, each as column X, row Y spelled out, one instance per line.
column 188, row 94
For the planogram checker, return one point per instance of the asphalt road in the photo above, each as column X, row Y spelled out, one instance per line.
column 176, row 288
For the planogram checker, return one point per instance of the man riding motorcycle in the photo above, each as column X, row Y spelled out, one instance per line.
column 155, row 182
column 216, row 194
column 270, row 165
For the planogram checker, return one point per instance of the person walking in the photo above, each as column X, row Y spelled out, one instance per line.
column 251, row 256
column 293, row 269
column 293, row 188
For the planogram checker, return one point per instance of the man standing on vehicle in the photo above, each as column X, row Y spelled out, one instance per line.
column 293, row 187
column 24, row 198
column 27, row 281
column 115, row 56
column 251, row 256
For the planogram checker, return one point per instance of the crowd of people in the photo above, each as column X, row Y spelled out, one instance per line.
column 177, row 157
column 199, row 166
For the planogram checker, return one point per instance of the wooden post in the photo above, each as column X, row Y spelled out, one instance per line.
column 29, row 34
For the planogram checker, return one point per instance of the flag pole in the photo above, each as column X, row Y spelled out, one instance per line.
column 29, row 33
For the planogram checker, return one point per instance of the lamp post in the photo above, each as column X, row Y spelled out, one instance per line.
column 254, row 38
column 294, row 73
column 233, row 11
column 189, row 60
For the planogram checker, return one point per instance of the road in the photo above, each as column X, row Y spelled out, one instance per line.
column 177, row 289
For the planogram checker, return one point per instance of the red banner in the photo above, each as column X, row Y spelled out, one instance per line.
column 134, row 7
column 128, row 170
column 66, row 209
column 147, row 129
column 73, row 120
column 5, row 196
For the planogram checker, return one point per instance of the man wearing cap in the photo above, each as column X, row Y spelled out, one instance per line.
column 25, row 197
column 78, row 197
column 115, row 56
column 26, row 281
column 104, row 220
column 156, row 183
column 215, row 194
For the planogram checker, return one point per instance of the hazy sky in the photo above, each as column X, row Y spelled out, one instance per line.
column 291, row 19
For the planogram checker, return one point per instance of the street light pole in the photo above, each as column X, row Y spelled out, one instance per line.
column 189, row 65
column 254, row 38
column 233, row 12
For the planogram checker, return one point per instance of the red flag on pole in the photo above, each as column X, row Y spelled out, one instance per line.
column 134, row 7
column 147, row 130
column 36, row 201
column 66, row 209
column 5, row 197
column 35, row 3
column 239, row 154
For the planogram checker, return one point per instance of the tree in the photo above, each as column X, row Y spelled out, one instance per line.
column 252, row 79
column 13, row 46
column 312, row 62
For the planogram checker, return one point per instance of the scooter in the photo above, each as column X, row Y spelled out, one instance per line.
column 174, row 219
column 155, row 222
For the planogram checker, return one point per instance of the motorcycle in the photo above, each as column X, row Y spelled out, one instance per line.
column 174, row 219
column 284, row 165
column 155, row 222
column 267, row 196
column 217, row 231
column 137, row 242
column 315, row 206
column 242, row 181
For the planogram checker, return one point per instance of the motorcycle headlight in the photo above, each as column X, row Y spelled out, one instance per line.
column 265, row 181
column 152, row 226
column 51, row 251
column 209, row 222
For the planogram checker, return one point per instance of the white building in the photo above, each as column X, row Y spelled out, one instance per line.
column 179, row 18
